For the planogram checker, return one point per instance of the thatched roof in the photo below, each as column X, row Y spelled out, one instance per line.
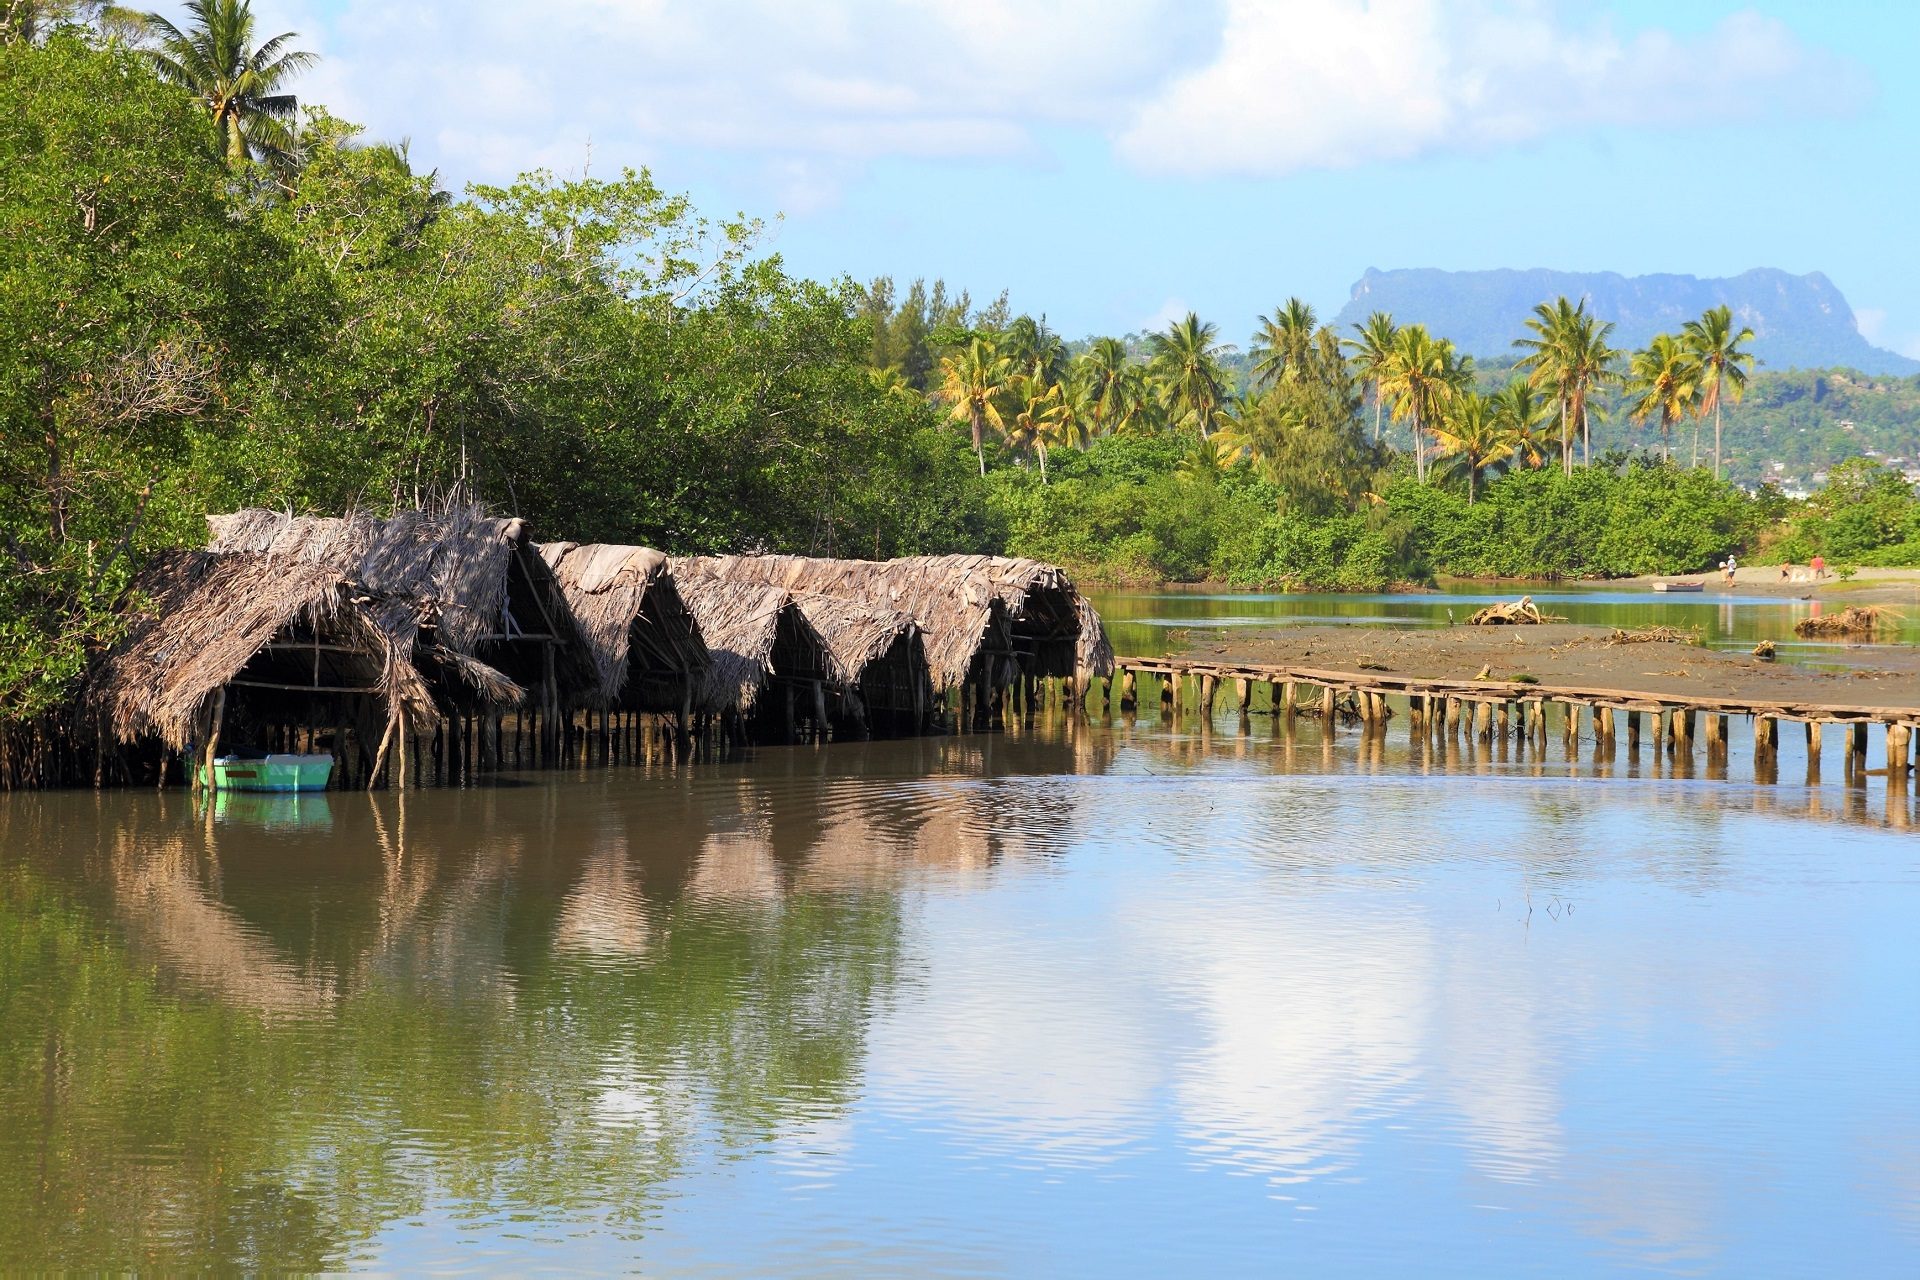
column 456, row 565
column 617, row 594
column 955, row 600
column 203, row 618
column 855, row 633
column 742, row 623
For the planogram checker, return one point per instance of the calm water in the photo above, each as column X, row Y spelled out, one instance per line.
column 1097, row 1000
column 1151, row 622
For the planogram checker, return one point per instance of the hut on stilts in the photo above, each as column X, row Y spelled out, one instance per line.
column 881, row 681
column 769, row 670
column 992, row 626
column 491, row 627
column 649, row 657
column 225, row 651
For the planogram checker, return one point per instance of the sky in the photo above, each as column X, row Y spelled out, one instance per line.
column 1114, row 163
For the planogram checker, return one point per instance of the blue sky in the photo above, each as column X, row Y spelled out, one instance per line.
column 1114, row 161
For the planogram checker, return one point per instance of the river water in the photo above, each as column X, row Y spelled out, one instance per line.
column 1101, row 999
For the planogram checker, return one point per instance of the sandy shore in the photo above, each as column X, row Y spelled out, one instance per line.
column 1584, row 656
column 1894, row 587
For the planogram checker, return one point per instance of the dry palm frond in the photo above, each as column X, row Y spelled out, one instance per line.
column 966, row 607
column 753, row 633
column 1854, row 620
column 458, row 566
column 1653, row 635
column 202, row 620
column 647, row 651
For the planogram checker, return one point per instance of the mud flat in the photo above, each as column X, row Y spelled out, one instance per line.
column 1887, row 677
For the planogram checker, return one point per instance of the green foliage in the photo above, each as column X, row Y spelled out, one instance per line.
column 1866, row 512
column 131, row 299
column 591, row 354
column 1609, row 520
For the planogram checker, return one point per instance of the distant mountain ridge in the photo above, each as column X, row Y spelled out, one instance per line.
column 1799, row 322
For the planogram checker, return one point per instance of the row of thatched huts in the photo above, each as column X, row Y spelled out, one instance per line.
column 407, row 646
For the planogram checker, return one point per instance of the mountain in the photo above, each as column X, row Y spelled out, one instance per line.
column 1798, row 322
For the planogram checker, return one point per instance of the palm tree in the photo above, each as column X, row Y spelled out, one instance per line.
column 1663, row 379
column 1372, row 351
column 1568, row 353
column 972, row 380
column 1422, row 374
column 215, row 60
column 1472, row 432
column 1723, row 365
column 1102, row 370
column 1283, row 342
column 1186, row 364
column 1527, row 420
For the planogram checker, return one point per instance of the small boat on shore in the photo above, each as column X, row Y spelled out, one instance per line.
column 272, row 772
column 1678, row 586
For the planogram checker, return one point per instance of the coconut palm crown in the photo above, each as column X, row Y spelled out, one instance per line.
column 241, row 84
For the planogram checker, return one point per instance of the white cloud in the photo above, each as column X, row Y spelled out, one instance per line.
column 839, row 80
column 811, row 93
column 1313, row 84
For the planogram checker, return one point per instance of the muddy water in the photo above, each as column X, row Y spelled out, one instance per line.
column 1107, row 1000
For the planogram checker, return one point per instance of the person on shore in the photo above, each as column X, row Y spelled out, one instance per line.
column 1732, row 566
column 1786, row 571
column 1819, row 566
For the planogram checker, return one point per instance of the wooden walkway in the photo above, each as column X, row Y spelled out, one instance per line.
column 1491, row 710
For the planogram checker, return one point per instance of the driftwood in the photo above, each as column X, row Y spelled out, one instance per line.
column 1654, row 635
column 1854, row 620
column 1521, row 612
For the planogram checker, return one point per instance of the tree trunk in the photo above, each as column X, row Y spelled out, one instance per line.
column 1716, row 433
column 1378, row 400
column 1566, row 440
column 979, row 438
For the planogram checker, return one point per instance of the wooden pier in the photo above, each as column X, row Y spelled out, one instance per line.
column 1499, row 710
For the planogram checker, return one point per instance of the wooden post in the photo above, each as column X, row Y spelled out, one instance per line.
column 1812, row 728
column 380, row 756
column 1286, row 701
column 1857, row 743
column 214, row 719
column 1603, row 724
column 1717, row 734
column 1899, row 758
column 1129, row 689
column 1243, row 692
column 1327, row 700
column 1168, row 707
column 1633, row 730
column 1209, row 686
column 1766, row 734
column 1683, row 730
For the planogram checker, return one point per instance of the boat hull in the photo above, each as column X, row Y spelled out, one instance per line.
column 271, row 773
column 1678, row 586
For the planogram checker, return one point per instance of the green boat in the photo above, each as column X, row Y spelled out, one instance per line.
column 270, row 773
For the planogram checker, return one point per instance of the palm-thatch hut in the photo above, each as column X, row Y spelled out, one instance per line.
column 249, row 650
column 762, row 651
column 484, row 598
column 881, row 681
column 985, row 619
column 647, row 652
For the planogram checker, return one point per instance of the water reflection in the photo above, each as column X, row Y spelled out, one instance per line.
column 1143, row 996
